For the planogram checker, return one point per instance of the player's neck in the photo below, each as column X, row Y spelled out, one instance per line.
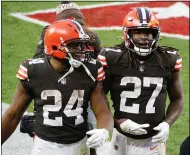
column 57, row 65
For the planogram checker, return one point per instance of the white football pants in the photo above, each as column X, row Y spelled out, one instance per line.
column 42, row 147
column 122, row 145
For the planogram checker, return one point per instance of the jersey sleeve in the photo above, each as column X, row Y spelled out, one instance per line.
column 102, row 58
column 22, row 73
column 23, row 76
column 174, row 58
column 177, row 62
column 101, row 73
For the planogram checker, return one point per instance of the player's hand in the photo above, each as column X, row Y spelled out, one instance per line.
column 27, row 123
column 97, row 138
column 163, row 134
column 133, row 128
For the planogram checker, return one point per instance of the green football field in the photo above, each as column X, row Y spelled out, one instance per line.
column 19, row 40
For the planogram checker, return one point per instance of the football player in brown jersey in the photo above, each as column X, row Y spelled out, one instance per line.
column 65, row 10
column 139, row 75
column 61, row 85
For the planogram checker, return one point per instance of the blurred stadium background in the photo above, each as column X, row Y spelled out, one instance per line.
column 19, row 40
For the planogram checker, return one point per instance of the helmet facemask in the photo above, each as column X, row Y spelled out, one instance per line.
column 142, row 40
column 80, row 51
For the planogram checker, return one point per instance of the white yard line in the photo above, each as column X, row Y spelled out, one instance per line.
column 22, row 16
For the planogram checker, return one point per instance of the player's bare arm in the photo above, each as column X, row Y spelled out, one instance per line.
column 13, row 114
column 104, row 118
column 175, row 92
column 100, row 108
column 175, row 107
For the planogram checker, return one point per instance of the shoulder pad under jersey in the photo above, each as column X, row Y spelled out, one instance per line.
column 174, row 57
column 108, row 56
column 25, row 68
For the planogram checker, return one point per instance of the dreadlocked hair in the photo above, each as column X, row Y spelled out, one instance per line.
column 163, row 57
column 160, row 53
column 127, row 54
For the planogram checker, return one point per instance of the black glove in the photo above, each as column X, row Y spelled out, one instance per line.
column 27, row 124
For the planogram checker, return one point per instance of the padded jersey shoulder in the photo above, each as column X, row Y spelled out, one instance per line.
column 108, row 56
column 173, row 56
column 27, row 67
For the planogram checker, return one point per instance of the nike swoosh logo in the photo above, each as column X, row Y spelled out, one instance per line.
column 152, row 148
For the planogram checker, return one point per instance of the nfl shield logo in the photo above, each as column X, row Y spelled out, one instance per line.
column 141, row 68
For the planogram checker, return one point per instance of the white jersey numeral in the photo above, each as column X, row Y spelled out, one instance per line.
column 56, row 107
column 137, row 91
column 36, row 61
column 76, row 95
column 130, row 94
column 68, row 111
column 146, row 83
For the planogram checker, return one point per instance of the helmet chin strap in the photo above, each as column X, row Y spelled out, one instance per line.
column 75, row 64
